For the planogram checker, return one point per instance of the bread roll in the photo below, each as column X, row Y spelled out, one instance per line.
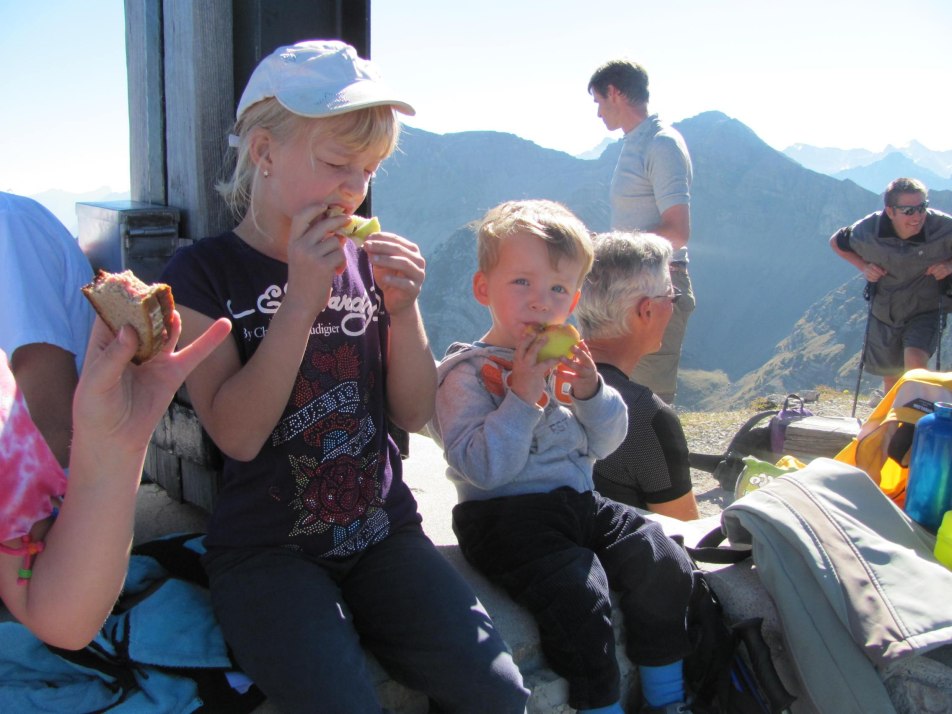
column 122, row 299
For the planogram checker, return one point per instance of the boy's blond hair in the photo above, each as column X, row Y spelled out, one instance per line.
column 359, row 130
column 564, row 234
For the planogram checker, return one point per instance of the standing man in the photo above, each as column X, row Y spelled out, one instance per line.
column 46, row 321
column 905, row 252
column 650, row 191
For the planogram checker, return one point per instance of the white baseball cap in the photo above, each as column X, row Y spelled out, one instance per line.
column 319, row 78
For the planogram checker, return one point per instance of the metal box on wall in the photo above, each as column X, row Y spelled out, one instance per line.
column 120, row 235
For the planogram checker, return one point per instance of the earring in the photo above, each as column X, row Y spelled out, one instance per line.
column 267, row 173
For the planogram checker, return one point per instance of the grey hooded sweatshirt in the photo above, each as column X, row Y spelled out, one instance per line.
column 498, row 445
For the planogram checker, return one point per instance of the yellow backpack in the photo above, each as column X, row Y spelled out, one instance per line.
column 882, row 447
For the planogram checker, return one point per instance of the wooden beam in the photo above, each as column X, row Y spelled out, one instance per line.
column 263, row 25
column 146, row 91
column 199, row 110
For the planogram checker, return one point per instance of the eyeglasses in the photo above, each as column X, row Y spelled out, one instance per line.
column 673, row 296
column 910, row 210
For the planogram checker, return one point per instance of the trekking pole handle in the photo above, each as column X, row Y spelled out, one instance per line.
column 758, row 651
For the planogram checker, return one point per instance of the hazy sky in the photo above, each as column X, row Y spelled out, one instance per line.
column 848, row 74
column 64, row 115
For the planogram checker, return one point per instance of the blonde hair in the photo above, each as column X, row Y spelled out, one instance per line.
column 564, row 234
column 359, row 130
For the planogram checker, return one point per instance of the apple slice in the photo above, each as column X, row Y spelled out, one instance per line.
column 360, row 228
column 560, row 339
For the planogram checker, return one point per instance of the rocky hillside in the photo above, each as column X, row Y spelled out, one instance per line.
column 710, row 431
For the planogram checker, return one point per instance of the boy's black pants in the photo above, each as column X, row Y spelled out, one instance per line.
column 559, row 554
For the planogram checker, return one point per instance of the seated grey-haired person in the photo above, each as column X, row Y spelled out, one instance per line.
column 625, row 305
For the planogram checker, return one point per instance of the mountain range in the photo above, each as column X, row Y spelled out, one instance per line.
column 761, row 262
column 831, row 161
column 873, row 170
column 777, row 310
column 876, row 176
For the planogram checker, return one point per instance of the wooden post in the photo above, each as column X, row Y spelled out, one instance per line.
column 199, row 100
column 146, row 89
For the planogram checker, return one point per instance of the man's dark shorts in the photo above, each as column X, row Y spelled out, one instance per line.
column 885, row 343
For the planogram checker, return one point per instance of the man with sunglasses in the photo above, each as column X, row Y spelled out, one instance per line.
column 650, row 191
column 905, row 253
column 626, row 303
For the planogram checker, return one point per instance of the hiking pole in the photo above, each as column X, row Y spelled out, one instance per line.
column 869, row 292
column 942, row 319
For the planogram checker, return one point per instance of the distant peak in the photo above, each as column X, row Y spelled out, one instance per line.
column 715, row 122
column 710, row 115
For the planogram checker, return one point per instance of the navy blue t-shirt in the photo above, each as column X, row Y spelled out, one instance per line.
column 329, row 478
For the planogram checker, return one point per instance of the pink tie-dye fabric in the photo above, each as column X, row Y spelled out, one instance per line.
column 29, row 473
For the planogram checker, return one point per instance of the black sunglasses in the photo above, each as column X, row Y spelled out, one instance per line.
column 910, row 210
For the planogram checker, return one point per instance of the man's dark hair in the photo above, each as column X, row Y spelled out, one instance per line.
column 903, row 185
column 629, row 78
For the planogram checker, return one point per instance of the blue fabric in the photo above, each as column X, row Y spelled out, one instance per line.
column 43, row 267
column 27, row 668
column 498, row 445
column 662, row 685
column 173, row 626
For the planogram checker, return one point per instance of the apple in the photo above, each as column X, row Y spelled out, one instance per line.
column 359, row 229
column 559, row 341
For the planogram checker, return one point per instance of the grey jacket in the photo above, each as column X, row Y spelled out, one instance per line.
column 905, row 291
column 496, row 444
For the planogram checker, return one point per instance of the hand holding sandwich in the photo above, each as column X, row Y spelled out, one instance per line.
column 78, row 575
column 118, row 404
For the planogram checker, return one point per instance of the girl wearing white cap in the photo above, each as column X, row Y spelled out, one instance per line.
column 315, row 548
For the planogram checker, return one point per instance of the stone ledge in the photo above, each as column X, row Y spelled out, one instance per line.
column 424, row 473
column 918, row 685
column 158, row 515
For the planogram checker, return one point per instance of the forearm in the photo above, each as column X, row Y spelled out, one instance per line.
column 411, row 371
column 684, row 508
column 79, row 575
column 242, row 412
column 488, row 445
column 675, row 225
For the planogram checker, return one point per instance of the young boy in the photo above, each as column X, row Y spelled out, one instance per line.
column 520, row 437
